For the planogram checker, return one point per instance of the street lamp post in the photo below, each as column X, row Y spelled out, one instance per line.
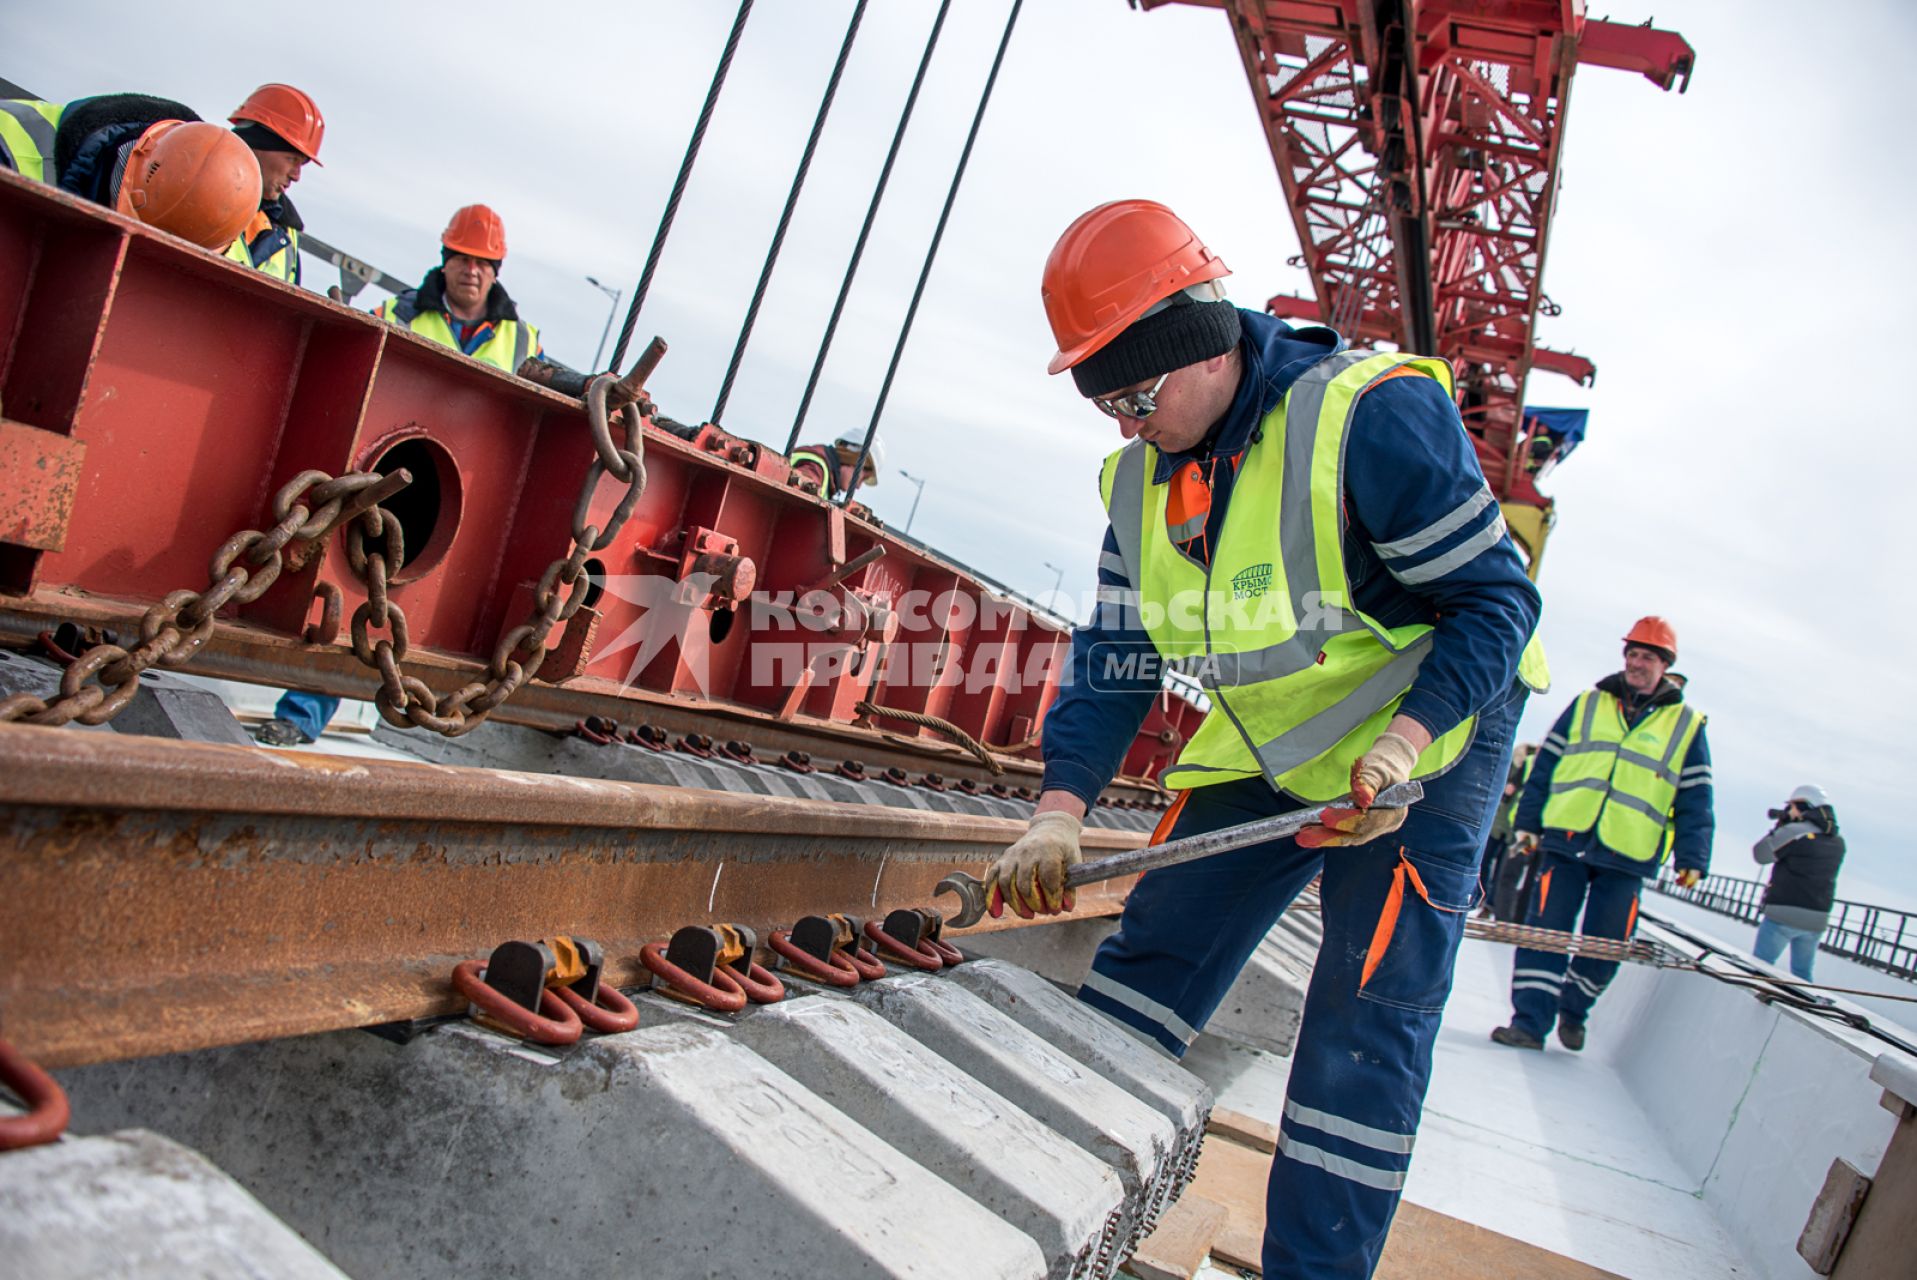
column 919, row 493
column 1051, row 601
column 615, row 295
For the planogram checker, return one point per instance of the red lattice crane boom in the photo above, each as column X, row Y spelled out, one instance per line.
column 1418, row 142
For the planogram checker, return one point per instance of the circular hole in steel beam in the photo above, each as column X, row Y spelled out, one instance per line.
column 428, row 508
column 721, row 625
column 595, row 582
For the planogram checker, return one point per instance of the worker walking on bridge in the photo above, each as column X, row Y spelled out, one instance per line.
column 461, row 303
column 1622, row 781
column 283, row 126
column 1307, row 530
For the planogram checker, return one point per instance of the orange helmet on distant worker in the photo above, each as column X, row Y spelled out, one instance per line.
column 195, row 180
column 477, row 232
column 289, row 113
column 1116, row 265
column 1654, row 633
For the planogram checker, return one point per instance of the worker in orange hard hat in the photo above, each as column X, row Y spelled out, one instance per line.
column 283, row 126
column 1308, row 528
column 461, row 303
column 1621, row 784
column 154, row 159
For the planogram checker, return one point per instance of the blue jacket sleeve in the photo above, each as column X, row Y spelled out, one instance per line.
column 1538, row 789
column 1693, row 813
column 1419, row 496
column 1106, row 691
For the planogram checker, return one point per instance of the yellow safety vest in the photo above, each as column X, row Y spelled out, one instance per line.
column 827, row 467
column 511, row 341
column 1301, row 681
column 27, row 127
column 284, row 264
column 1621, row 779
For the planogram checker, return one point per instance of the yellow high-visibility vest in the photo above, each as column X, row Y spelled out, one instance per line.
column 1621, row 779
column 1301, row 681
column 282, row 264
column 507, row 348
column 27, row 126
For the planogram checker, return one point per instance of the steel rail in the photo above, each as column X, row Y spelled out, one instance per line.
column 164, row 896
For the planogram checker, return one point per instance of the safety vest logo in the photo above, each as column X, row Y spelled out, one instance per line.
column 1251, row 581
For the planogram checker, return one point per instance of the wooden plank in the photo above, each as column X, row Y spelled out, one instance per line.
column 1234, row 1176
column 1424, row 1244
column 1176, row 1248
column 1246, row 1131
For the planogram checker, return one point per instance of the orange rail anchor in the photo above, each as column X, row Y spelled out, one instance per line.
column 47, row 1109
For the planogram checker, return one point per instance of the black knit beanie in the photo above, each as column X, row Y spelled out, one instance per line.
column 261, row 138
column 1186, row 332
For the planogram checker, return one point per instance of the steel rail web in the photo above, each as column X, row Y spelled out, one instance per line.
column 165, row 896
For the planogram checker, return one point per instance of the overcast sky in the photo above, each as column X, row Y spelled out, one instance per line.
column 1732, row 259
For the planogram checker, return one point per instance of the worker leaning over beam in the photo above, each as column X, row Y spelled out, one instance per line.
column 157, row 161
column 828, row 467
column 1308, row 529
column 283, row 127
column 1622, row 781
column 461, row 303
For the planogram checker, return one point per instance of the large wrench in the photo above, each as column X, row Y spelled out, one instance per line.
column 971, row 890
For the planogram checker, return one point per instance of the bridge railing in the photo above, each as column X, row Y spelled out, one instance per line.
column 1884, row 938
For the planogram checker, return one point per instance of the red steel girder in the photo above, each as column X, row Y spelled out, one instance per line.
column 1418, row 142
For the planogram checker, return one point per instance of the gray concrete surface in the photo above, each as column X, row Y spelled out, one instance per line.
column 1056, row 1192
column 133, row 1204
column 671, row 1151
column 1132, row 1063
column 1121, row 1130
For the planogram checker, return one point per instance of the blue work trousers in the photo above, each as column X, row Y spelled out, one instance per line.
column 1363, row 1056
column 308, row 712
column 1771, row 938
column 1544, row 990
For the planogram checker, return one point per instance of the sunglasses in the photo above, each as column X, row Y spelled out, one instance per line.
column 1137, row 405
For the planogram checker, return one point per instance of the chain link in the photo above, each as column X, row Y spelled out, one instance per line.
column 306, row 511
column 240, row 572
column 376, row 551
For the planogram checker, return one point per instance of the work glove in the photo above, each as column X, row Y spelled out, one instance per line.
column 1389, row 762
column 1031, row 874
column 1524, row 840
column 1686, row 877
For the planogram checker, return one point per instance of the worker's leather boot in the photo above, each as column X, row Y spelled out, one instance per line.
column 1517, row 1039
column 1571, row 1035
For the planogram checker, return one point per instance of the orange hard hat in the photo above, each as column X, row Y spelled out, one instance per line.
column 1654, row 633
column 195, row 180
column 477, row 232
column 1111, row 266
column 289, row 113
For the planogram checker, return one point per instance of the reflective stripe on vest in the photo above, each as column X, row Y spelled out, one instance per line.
column 1621, row 780
column 27, row 127
column 1302, row 682
column 282, row 264
column 510, row 339
column 824, row 464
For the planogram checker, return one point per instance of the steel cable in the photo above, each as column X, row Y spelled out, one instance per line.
column 679, row 185
column 931, row 253
column 865, row 229
column 785, row 215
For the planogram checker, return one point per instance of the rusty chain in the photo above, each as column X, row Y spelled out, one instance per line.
column 375, row 549
column 106, row 677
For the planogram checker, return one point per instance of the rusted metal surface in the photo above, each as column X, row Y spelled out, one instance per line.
column 197, row 388
column 164, row 896
column 39, row 472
